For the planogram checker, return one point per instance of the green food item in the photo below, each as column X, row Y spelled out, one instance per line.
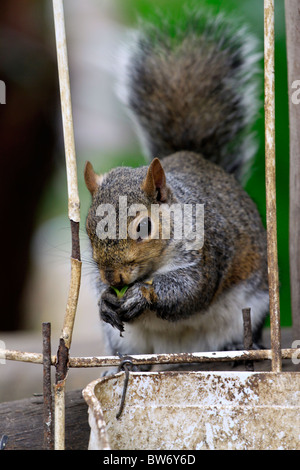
column 121, row 292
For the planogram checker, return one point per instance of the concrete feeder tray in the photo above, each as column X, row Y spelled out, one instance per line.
column 195, row 411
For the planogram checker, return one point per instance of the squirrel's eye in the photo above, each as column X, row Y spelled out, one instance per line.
column 144, row 228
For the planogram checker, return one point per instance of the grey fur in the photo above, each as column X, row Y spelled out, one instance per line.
column 188, row 95
column 197, row 92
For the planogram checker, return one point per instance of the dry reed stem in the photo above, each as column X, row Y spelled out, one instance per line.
column 74, row 216
column 72, row 302
column 65, row 94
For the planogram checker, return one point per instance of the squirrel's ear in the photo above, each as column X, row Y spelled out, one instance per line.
column 155, row 182
column 92, row 180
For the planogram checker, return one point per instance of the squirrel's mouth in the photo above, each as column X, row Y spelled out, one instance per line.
column 125, row 275
column 113, row 278
column 117, row 278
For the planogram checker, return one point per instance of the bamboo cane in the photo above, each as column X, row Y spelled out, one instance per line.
column 74, row 216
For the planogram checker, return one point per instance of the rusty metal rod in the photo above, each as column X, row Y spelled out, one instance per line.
column 22, row 356
column 247, row 328
column 271, row 184
column 107, row 361
column 248, row 342
column 47, row 389
column 209, row 357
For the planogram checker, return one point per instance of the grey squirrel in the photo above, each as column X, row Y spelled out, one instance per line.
column 190, row 91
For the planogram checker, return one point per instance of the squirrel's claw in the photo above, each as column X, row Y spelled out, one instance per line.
column 110, row 297
column 109, row 315
column 133, row 303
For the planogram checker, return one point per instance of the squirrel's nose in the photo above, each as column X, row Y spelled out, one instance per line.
column 114, row 278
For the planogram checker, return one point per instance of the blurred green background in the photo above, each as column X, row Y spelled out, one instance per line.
column 251, row 13
column 103, row 134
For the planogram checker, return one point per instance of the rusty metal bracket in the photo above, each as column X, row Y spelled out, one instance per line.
column 47, row 390
column 125, row 365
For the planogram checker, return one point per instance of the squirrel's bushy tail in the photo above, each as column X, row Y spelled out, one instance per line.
column 190, row 87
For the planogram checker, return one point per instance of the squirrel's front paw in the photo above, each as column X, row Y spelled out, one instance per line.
column 109, row 305
column 134, row 302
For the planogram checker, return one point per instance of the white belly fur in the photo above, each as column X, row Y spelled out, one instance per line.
column 222, row 323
